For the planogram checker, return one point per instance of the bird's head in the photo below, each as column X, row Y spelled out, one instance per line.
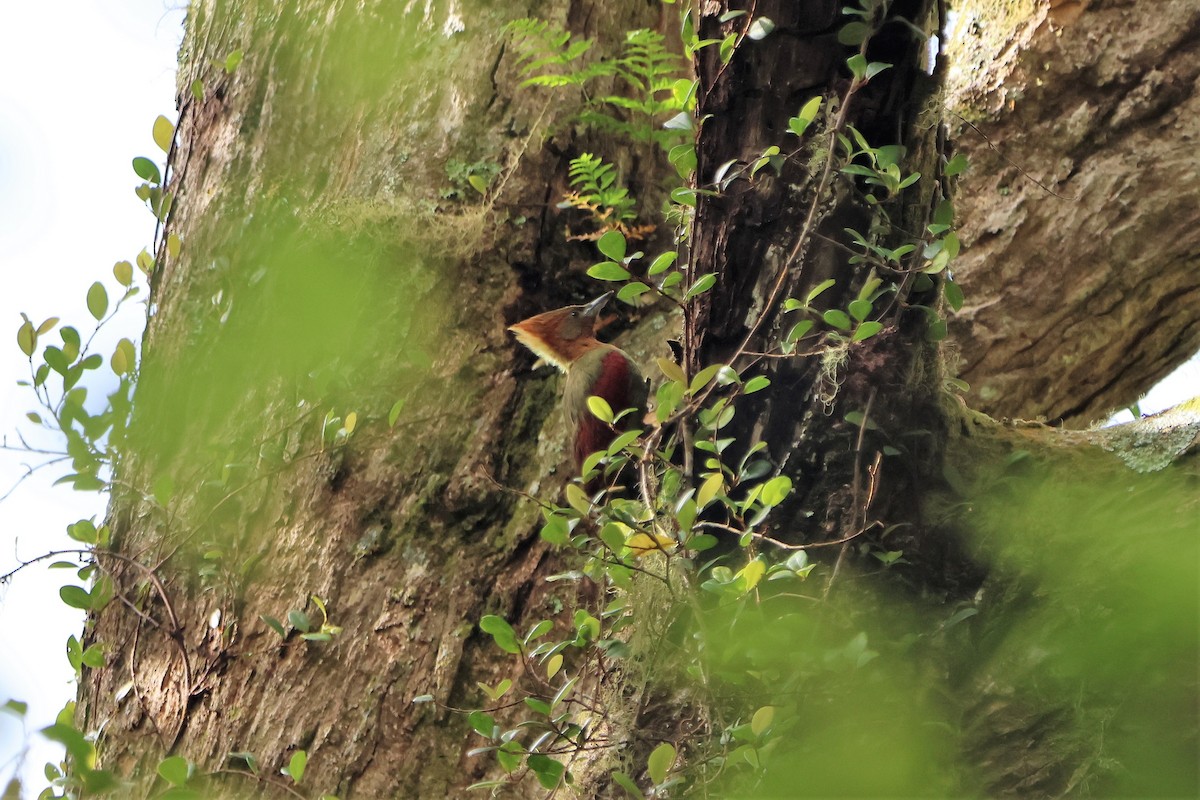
column 562, row 335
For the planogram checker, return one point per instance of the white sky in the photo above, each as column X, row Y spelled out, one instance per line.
column 81, row 82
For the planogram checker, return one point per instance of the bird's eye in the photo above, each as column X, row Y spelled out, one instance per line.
column 574, row 313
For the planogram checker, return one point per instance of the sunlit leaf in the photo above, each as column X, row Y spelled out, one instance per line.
column 97, row 300
column 163, row 133
column 175, row 770
column 661, row 759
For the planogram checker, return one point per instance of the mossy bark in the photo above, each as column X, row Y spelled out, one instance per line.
column 331, row 265
column 335, row 260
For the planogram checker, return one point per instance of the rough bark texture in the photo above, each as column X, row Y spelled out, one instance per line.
column 330, row 264
column 1081, row 291
column 769, row 239
column 325, row 271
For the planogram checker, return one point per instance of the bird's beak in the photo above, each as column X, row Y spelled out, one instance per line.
column 593, row 308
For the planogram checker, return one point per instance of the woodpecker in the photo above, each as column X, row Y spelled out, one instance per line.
column 565, row 338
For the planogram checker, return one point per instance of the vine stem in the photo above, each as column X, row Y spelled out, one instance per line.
column 857, row 488
column 809, row 219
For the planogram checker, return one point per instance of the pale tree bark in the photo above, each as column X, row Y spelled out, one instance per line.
column 335, row 259
column 1081, row 241
column 329, row 263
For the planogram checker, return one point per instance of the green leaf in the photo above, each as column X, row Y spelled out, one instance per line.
column 553, row 665
column 163, row 131
column 75, row 597
column 608, row 271
column 956, row 165
column 799, row 330
column 299, row 620
column 684, row 196
column 556, row 530
column 703, row 377
column 940, row 260
column 174, row 245
column 626, row 783
column 869, row 288
column 577, row 499
column 509, row 755
column 726, row 49
column 671, row 370
column 712, row 486
column 889, row 155
column 632, row 291
column 860, row 309
column 612, row 244
column 661, row 759
column 685, row 513
column 502, row 632
column 56, row 359
column 175, row 770
column 233, row 59
column 145, row 262
column 951, row 244
column 273, row 624
column 954, row 294
column 702, row 285
column 667, row 398
column 483, row 724
column 683, row 158
column 97, row 300
column 857, row 62
column 853, row 33
column 548, row 771
column 27, row 338
column 478, row 183
column 124, row 357
column 808, row 112
column 750, row 575
column 866, row 330
column 775, row 490
column 77, row 746
column 613, row 537
column 538, row 705
column 762, row 719
column 123, row 272
column 818, row 290
column 295, row 767
column 198, row 90
column 755, row 384
column 944, row 213
column 876, row 67
column 394, row 412
column 82, row 531
column 15, row 707
column 621, row 442
column 147, row 170
column 837, row 319
column 936, row 331
column 600, row 409
column 662, row 263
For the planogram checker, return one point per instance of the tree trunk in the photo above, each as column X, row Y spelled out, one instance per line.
column 335, row 260
column 327, row 482
column 1080, row 245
